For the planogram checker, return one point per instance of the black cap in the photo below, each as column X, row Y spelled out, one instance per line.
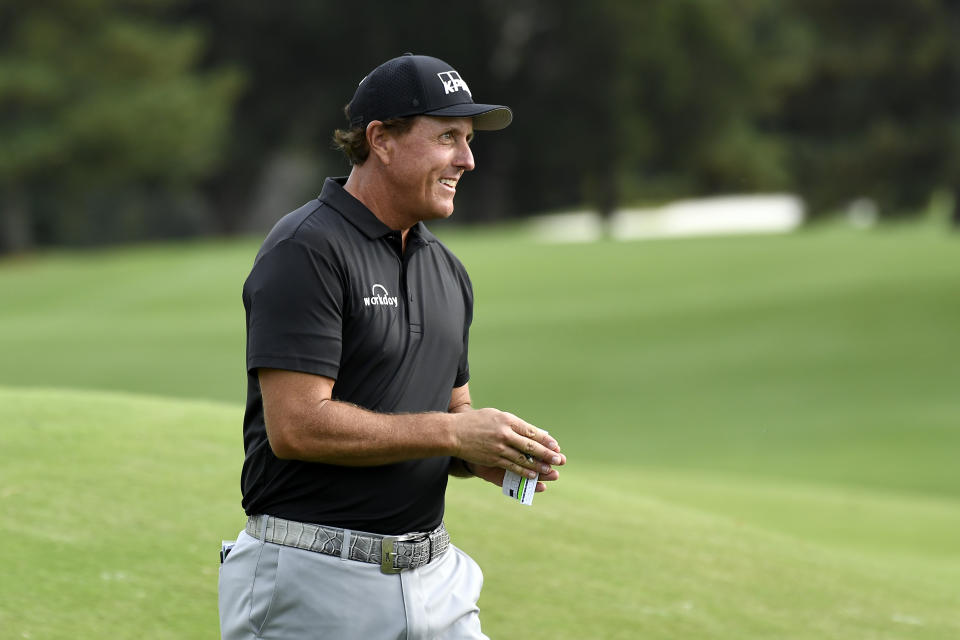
column 420, row 85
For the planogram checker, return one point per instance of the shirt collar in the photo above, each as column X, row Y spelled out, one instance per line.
column 335, row 196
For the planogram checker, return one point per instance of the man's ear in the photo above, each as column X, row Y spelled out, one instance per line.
column 380, row 141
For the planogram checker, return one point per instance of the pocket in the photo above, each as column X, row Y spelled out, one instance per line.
column 473, row 574
column 264, row 587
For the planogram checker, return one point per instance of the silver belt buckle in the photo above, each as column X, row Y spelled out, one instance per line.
column 388, row 552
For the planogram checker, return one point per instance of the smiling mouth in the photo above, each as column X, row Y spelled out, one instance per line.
column 449, row 182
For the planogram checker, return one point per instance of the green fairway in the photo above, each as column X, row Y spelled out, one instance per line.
column 761, row 434
column 164, row 320
column 120, row 501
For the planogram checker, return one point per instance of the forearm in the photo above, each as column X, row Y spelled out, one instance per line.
column 340, row 433
column 303, row 422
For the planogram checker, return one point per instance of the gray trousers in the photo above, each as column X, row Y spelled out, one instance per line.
column 269, row 591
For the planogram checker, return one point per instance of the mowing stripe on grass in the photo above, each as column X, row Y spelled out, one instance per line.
column 114, row 505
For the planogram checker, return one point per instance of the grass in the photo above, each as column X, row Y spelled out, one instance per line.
column 165, row 320
column 816, row 357
column 123, row 515
column 761, row 434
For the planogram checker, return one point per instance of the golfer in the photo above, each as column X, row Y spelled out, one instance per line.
column 358, row 404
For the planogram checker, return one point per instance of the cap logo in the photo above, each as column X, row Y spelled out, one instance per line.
column 452, row 82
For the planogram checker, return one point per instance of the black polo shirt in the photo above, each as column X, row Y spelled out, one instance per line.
column 332, row 293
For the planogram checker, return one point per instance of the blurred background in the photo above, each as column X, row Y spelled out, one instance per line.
column 131, row 120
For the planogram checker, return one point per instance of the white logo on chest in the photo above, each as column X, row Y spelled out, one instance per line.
column 380, row 298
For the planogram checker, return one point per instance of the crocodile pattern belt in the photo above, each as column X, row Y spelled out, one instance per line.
column 392, row 553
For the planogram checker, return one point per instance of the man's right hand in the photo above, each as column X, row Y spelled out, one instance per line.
column 498, row 439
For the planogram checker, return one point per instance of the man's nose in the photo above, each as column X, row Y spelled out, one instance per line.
column 464, row 158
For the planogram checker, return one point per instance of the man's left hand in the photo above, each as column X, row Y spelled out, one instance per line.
column 495, row 475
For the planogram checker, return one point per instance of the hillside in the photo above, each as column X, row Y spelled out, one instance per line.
column 115, row 504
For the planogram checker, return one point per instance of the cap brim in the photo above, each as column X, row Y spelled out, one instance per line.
column 486, row 117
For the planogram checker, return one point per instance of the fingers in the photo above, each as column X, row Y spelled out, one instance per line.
column 495, row 475
column 535, row 445
column 529, row 466
column 495, row 438
column 549, row 477
column 521, row 464
column 531, row 432
column 552, row 476
column 539, row 470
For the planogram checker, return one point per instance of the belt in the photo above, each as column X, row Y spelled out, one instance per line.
column 392, row 553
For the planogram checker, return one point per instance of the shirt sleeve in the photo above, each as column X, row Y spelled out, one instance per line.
column 463, row 368
column 294, row 305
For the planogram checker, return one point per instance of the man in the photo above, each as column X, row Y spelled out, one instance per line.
column 358, row 403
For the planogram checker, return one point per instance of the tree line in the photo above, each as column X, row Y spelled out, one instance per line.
column 135, row 119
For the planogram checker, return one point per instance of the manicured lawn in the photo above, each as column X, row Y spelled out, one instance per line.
column 762, row 436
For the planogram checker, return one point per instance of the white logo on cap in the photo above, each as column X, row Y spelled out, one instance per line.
column 452, row 82
column 379, row 297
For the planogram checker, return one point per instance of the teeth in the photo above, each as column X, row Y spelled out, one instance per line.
column 448, row 182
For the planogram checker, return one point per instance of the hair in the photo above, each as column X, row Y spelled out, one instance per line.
column 353, row 142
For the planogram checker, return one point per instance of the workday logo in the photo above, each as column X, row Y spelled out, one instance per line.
column 452, row 82
column 380, row 298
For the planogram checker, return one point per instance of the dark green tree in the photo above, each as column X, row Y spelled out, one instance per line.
column 303, row 61
column 613, row 100
column 879, row 116
column 646, row 100
column 104, row 114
